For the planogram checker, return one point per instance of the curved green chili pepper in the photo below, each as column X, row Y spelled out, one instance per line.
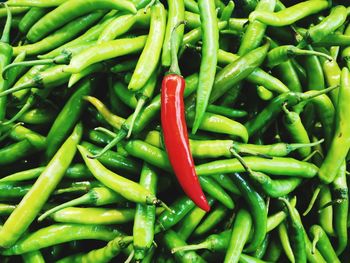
column 143, row 230
column 341, row 141
column 70, row 10
column 214, row 217
column 152, row 49
column 321, row 241
column 30, row 18
column 104, row 51
column 207, row 69
column 255, row 31
column 240, row 233
column 289, row 15
column 176, row 14
column 257, row 209
column 13, row 229
column 61, row 233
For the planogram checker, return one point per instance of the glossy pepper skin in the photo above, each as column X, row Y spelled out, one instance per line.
column 176, row 138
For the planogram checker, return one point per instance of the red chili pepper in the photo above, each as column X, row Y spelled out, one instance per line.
column 175, row 134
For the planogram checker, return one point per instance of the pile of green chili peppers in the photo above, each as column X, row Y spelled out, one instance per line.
column 84, row 173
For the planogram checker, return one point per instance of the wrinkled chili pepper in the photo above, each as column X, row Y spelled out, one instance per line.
column 175, row 132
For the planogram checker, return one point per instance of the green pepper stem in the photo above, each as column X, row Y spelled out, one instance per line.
column 120, row 135
column 29, row 103
column 106, row 131
column 308, row 96
column 315, row 240
column 303, row 52
column 5, row 38
column 140, row 103
column 295, row 146
column 313, row 200
column 26, row 64
column 203, row 245
column 20, row 87
column 174, row 66
column 85, row 199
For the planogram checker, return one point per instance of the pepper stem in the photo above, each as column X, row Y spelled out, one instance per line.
column 120, row 135
column 315, row 241
column 203, row 245
column 106, row 131
column 313, row 200
column 5, row 38
column 20, row 87
column 174, row 66
column 85, row 199
column 140, row 103
column 302, row 52
column 309, row 96
column 130, row 257
column 26, row 64
column 29, row 103
column 295, row 146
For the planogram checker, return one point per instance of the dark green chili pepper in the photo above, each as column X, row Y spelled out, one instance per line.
column 236, row 71
column 257, row 209
column 210, row 32
column 15, row 73
column 5, row 59
column 144, row 221
column 289, row 15
column 67, row 118
column 152, row 49
column 180, row 208
column 30, row 206
column 340, row 144
column 297, row 236
column 321, row 241
column 341, row 208
column 240, row 233
column 225, row 182
column 70, row 10
column 262, row 121
column 61, row 233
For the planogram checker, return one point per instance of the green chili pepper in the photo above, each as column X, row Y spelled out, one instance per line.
column 152, row 49
column 207, row 70
column 289, row 15
column 43, row 187
column 67, row 118
column 321, row 241
column 96, row 196
column 61, row 233
column 285, row 241
column 101, row 255
column 5, row 59
column 145, row 215
column 171, row 240
column 255, row 31
column 104, row 51
column 240, row 233
column 125, row 187
column 98, row 216
column 70, row 10
column 258, row 211
column 61, row 36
